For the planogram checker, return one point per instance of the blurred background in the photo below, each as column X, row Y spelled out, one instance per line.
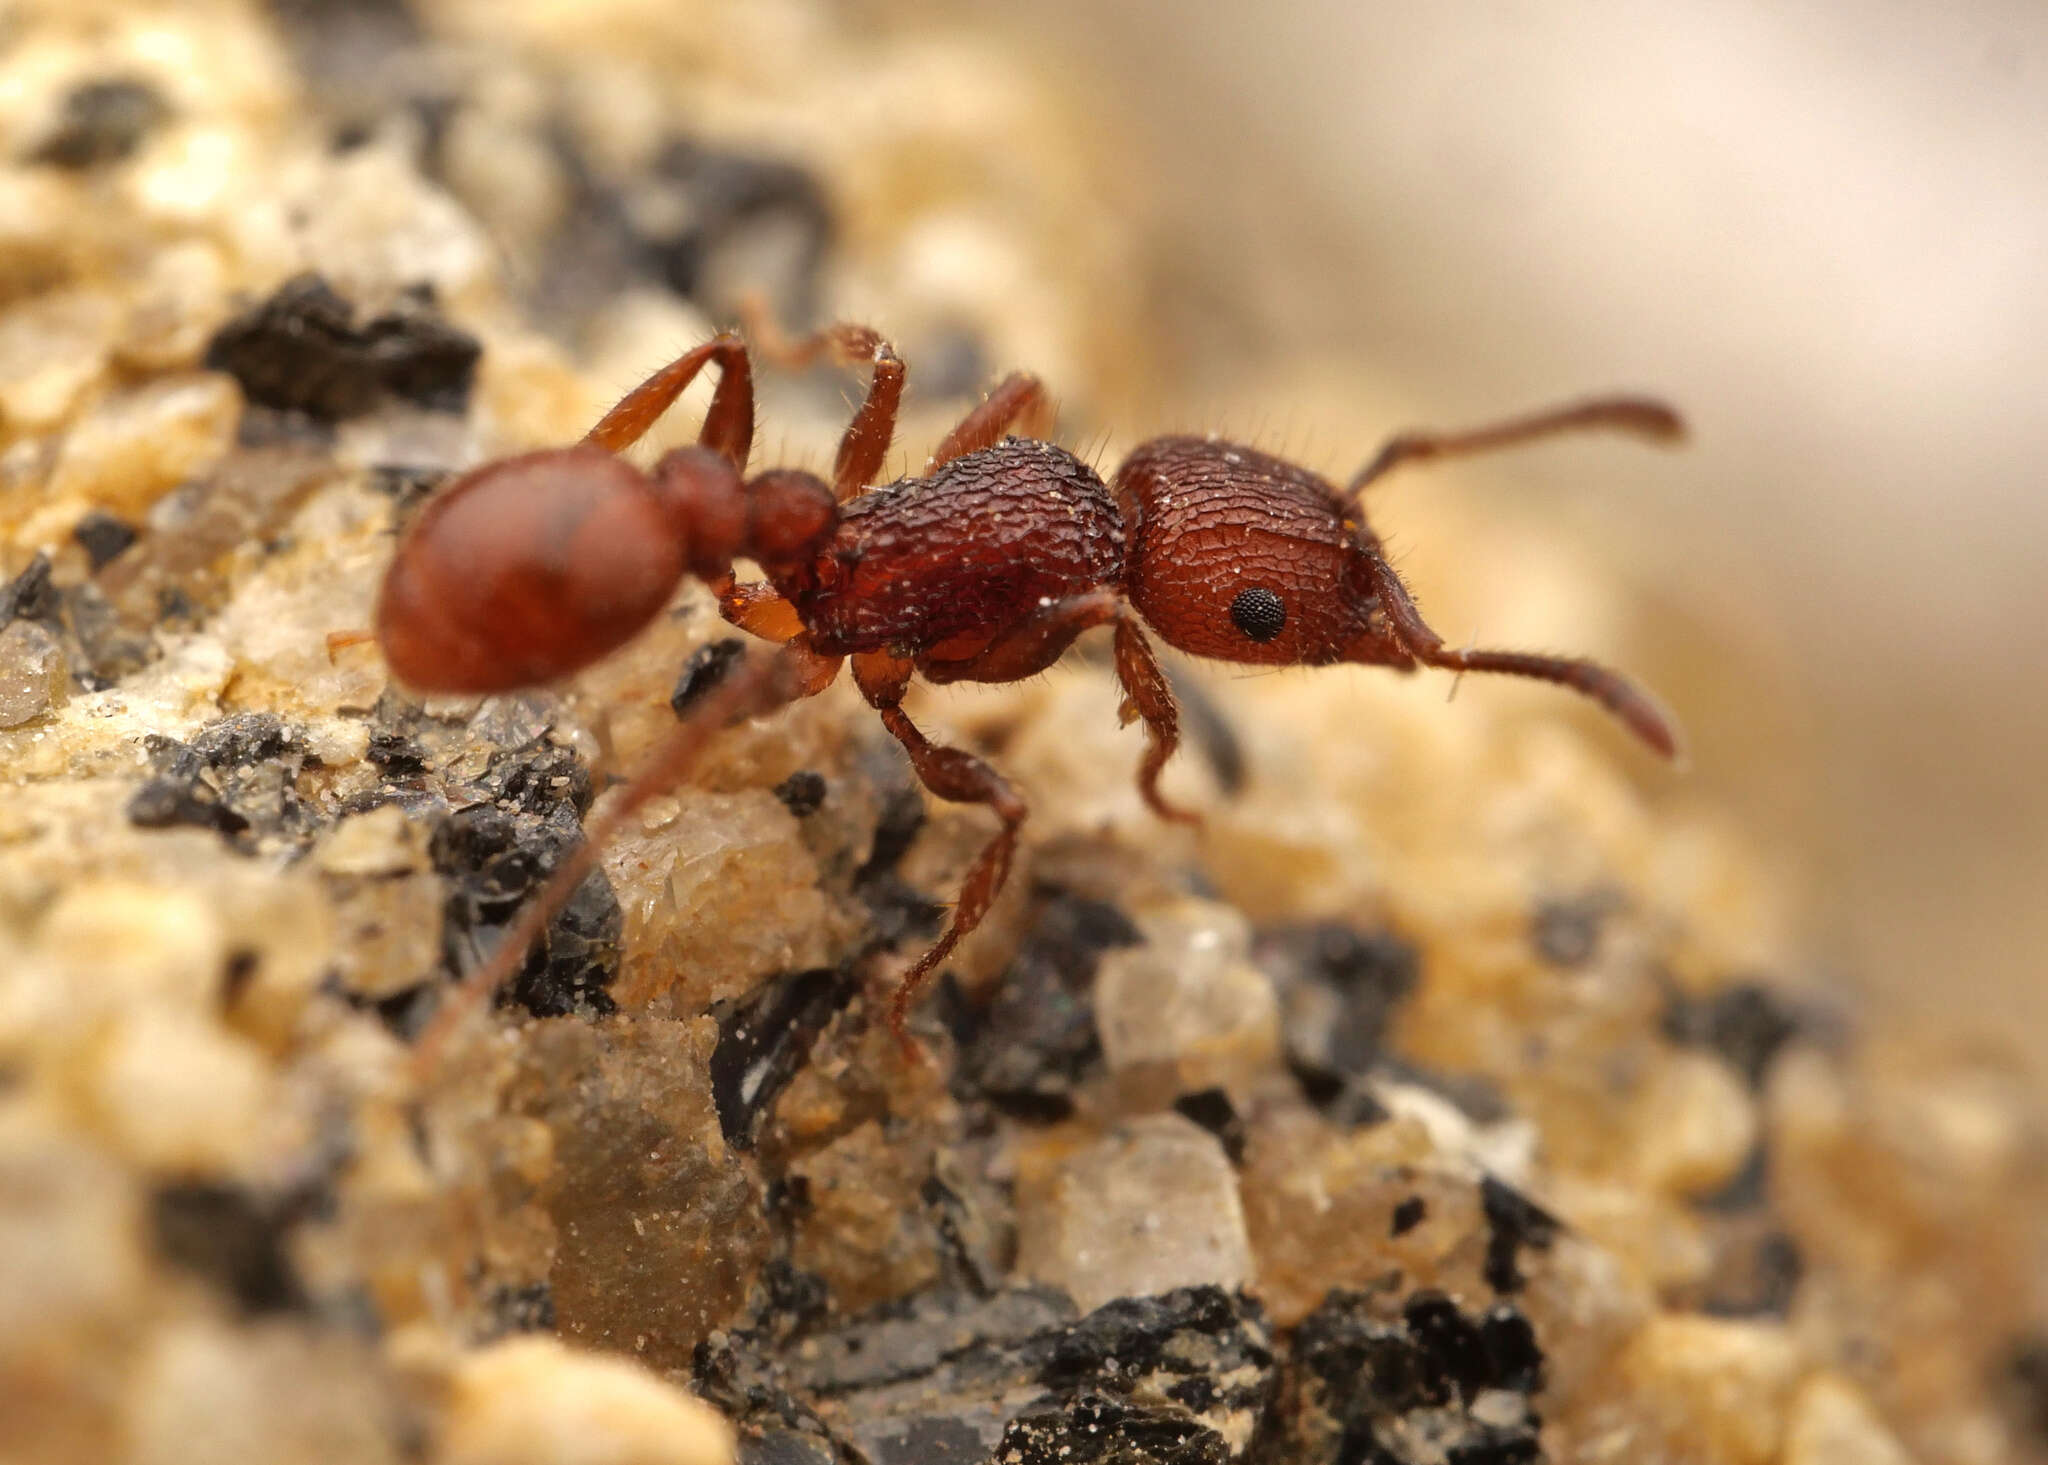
column 1823, row 231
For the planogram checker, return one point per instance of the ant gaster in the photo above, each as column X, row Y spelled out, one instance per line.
column 985, row 568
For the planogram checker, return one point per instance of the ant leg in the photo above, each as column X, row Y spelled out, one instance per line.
column 758, row 609
column 867, row 438
column 1018, row 398
column 1636, row 709
column 1643, row 416
column 761, row 685
column 1027, row 649
column 1147, row 695
column 959, row 777
column 340, row 641
column 728, row 426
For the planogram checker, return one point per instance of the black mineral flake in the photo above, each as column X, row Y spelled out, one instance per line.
column 1409, row 1214
column 949, row 1375
column 1036, row 1041
column 1339, row 988
column 1212, row 1109
column 302, row 351
column 764, row 1040
column 542, row 778
column 1209, row 729
column 1513, row 1222
column 168, row 802
column 494, row 859
column 228, row 1236
column 704, row 669
column 396, row 754
column 1097, row 1429
column 1746, row 1024
column 30, row 596
column 1369, row 1384
column 802, row 793
column 102, row 537
column 525, row 1309
column 974, row 1239
column 2023, row 1387
column 740, row 216
column 1566, row 933
column 897, row 910
column 102, row 122
column 785, row 1447
column 236, row 775
column 1183, row 1341
column 1755, row 1276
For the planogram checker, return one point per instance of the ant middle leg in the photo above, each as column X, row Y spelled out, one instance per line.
column 1636, row 708
column 1643, row 416
column 959, row 777
column 1019, row 398
column 728, row 428
column 1028, row 648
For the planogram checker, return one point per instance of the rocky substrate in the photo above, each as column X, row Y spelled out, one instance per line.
column 1442, row 1101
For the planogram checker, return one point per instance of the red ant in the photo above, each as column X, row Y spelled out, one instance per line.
column 984, row 569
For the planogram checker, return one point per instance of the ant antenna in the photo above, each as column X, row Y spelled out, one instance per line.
column 1645, row 417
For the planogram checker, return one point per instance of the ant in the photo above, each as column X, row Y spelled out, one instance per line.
column 985, row 568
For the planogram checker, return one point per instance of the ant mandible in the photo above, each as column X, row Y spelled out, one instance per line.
column 985, row 569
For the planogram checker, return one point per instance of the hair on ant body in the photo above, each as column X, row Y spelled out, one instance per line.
column 984, row 568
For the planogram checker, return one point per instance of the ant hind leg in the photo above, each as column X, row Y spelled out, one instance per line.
column 759, row 685
column 958, row 777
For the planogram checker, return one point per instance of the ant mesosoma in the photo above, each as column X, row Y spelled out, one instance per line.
column 985, row 569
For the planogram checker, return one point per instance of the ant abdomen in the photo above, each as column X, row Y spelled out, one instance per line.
column 526, row 570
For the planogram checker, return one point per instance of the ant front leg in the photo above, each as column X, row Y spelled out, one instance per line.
column 760, row 611
column 959, row 777
column 867, row 438
column 728, row 426
column 1643, row 416
column 1147, row 695
column 1637, row 710
column 1018, row 398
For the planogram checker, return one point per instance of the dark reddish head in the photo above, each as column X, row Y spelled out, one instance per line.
column 1240, row 556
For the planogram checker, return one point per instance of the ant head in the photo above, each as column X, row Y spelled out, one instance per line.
column 525, row 570
column 1240, row 556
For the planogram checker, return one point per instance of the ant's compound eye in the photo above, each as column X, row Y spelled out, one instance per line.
column 1258, row 612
